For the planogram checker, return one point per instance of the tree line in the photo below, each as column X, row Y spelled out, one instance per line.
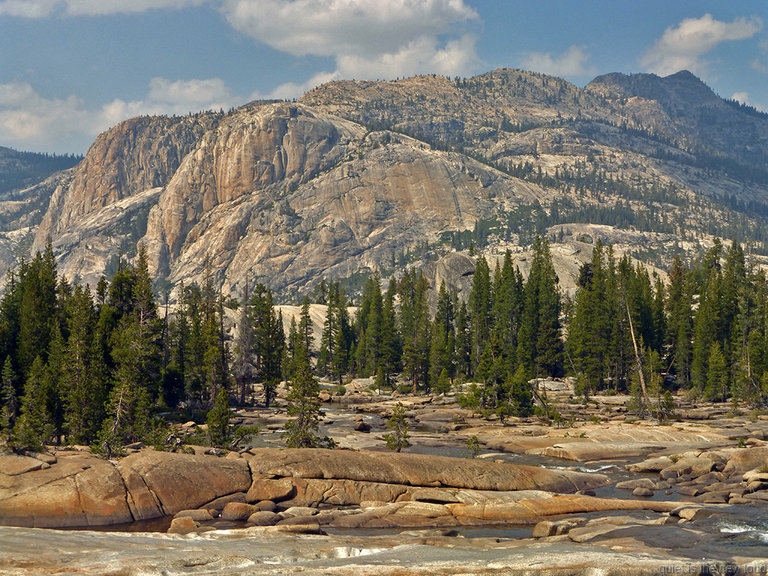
column 99, row 368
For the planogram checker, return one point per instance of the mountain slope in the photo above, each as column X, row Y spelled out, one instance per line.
column 362, row 176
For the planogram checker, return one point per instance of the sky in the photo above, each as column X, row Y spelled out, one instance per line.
column 70, row 69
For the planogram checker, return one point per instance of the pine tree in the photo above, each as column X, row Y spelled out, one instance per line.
column 540, row 347
column 218, row 419
column 38, row 285
column 328, row 337
column 54, row 380
column 390, row 339
column 191, row 343
column 415, row 328
column 84, row 396
column 269, row 341
column 705, row 331
column 8, row 401
column 293, row 350
column 397, row 439
column 508, row 304
column 244, row 368
column 463, row 349
column 680, row 322
column 333, row 357
column 520, row 393
column 34, row 427
column 368, row 325
column 443, row 342
column 480, row 307
column 128, row 408
column 305, row 331
column 10, row 306
column 659, row 316
column 303, row 406
column 716, row 388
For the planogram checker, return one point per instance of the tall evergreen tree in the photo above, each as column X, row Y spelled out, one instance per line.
column 390, row 338
column 680, row 322
column 34, row 427
column 415, row 328
column 269, row 341
column 303, row 405
column 480, row 308
column 463, row 348
column 38, row 285
column 507, row 311
column 590, row 330
column 8, row 401
column 244, row 368
column 85, row 394
column 127, row 411
column 540, row 347
column 443, row 341
column 705, row 330
column 10, row 308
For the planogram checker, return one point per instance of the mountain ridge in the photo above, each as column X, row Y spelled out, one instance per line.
column 358, row 176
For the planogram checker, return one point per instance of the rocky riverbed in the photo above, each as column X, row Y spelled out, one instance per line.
column 604, row 491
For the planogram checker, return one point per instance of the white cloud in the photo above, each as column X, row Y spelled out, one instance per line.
column 28, row 8
column 683, row 47
column 192, row 93
column 761, row 63
column 743, row 98
column 419, row 56
column 292, row 89
column 102, row 7
column 366, row 38
column 572, row 62
column 44, row 8
column 30, row 121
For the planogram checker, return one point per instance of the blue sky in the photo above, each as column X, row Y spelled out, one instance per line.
column 70, row 69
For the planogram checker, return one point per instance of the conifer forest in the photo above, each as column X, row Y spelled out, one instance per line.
column 114, row 367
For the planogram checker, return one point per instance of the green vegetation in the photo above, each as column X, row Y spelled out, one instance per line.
column 397, row 439
column 99, row 369
column 22, row 169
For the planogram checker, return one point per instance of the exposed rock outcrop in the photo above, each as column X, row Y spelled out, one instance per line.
column 82, row 490
column 416, row 470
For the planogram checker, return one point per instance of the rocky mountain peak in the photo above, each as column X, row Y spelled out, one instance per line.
column 677, row 91
column 359, row 176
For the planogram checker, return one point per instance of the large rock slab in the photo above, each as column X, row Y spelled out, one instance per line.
column 13, row 464
column 741, row 460
column 175, row 482
column 533, row 509
column 312, row 491
column 688, row 465
column 588, row 451
column 270, row 489
column 416, row 470
column 77, row 491
column 83, row 490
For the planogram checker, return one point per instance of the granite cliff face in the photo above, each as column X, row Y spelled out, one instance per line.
column 363, row 176
column 279, row 191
